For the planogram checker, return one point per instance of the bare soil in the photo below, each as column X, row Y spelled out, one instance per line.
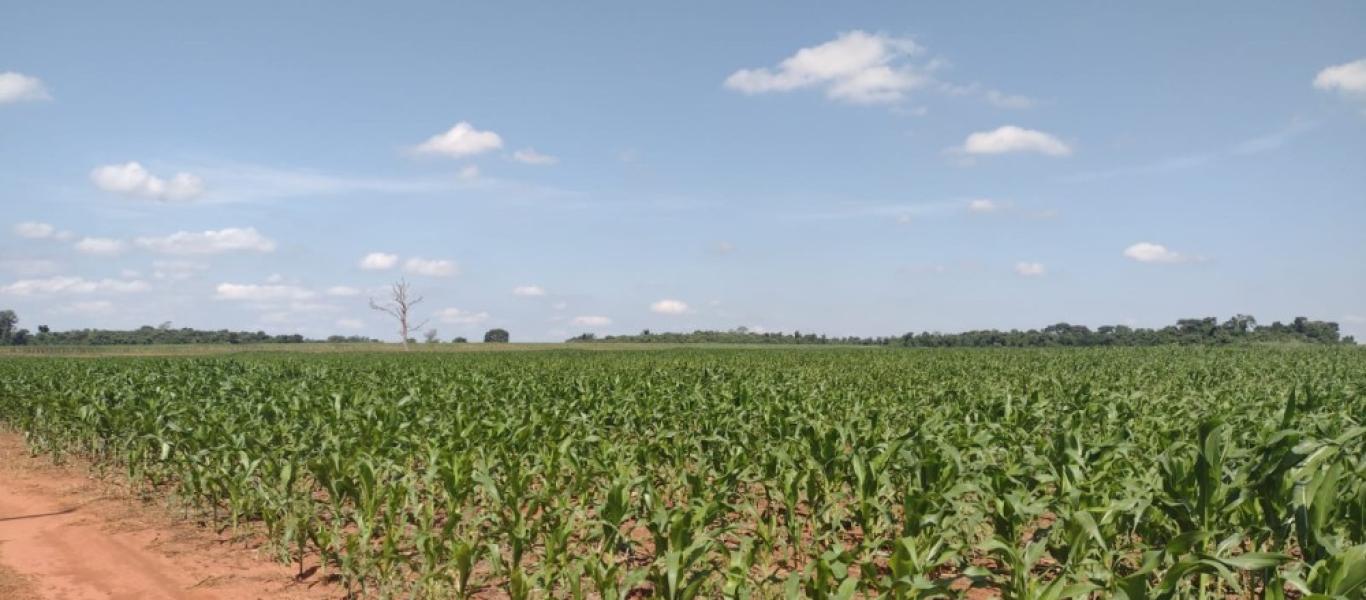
column 67, row 536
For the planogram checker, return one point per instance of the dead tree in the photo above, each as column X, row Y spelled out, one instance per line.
column 400, row 307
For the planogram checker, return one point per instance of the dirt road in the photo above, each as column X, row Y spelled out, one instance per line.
column 65, row 536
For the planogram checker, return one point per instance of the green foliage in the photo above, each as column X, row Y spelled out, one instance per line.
column 1205, row 332
column 731, row 473
column 496, row 336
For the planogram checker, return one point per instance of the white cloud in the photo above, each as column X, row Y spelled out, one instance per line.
column 432, row 267
column 528, row 290
column 1010, row 138
column 461, row 140
column 34, row 231
column 257, row 292
column 91, row 307
column 669, row 307
column 18, row 87
column 100, row 246
column 40, row 231
column 1003, row 100
column 1030, row 269
column 312, row 307
column 531, row 157
column 132, row 179
column 455, row 316
column 469, row 173
column 231, row 239
column 342, row 290
column 1149, row 252
column 28, row 266
column 176, row 270
column 378, row 261
column 351, row 323
column 590, row 321
column 71, row 285
column 1348, row 78
column 983, row 206
column 856, row 67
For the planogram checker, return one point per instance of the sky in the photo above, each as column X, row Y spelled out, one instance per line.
column 559, row 168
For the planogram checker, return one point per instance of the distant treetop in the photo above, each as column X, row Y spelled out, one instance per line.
column 1238, row 329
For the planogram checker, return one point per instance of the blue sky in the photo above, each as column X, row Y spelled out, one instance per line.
column 561, row 168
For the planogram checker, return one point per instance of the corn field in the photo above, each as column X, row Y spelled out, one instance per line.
column 712, row 473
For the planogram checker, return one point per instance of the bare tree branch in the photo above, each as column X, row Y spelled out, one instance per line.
column 400, row 308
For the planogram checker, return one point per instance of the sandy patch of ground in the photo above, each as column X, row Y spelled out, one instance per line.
column 66, row 536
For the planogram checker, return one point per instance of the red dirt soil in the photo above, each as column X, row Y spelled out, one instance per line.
column 66, row 536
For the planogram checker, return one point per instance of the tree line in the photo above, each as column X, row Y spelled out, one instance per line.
column 1204, row 331
column 12, row 335
column 1238, row 329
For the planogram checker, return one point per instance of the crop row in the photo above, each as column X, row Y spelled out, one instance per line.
column 1126, row 473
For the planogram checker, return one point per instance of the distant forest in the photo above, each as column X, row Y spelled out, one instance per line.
column 1239, row 329
column 1207, row 331
column 12, row 335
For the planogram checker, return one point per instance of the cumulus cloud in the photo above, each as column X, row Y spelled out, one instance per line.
column 856, row 67
column 28, row 266
column 531, row 157
column 528, row 290
column 342, row 290
column 590, row 321
column 176, row 269
column 1030, row 269
column 669, row 307
column 455, row 316
column 378, row 261
column 1348, row 78
column 259, row 293
column 460, row 141
column 18, row 87
column 132, row 179
column 41, row 231
column 71, row 285
column 983, row 206
column 1010, row 138
column 431, row 268
column 34, row 231
column 1149, row 252
column 100, row 246
column 231, row 239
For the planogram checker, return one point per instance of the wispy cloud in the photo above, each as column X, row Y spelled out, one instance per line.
column 856, row 210
column 1181, row 162
column 231, row 182
column 1274, row 140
